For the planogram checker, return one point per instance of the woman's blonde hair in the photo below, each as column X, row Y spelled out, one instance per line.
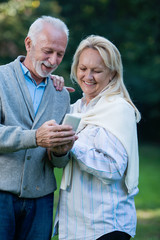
column 112, row 59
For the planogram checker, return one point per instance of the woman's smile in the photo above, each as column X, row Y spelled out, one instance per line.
column 89, row 83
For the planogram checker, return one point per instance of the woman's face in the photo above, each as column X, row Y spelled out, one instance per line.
column 92, row 74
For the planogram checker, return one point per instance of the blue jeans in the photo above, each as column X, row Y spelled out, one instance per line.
column 25, row 219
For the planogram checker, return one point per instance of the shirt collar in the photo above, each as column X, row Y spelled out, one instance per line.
column 27, row 73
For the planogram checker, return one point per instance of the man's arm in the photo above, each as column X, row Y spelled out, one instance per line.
column 49, row 135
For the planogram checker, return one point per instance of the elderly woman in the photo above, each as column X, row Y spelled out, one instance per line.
column 97, row 201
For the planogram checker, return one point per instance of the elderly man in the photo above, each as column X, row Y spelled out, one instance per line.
column 30, row 113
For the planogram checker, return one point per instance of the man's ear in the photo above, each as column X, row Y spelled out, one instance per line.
column 28, row 43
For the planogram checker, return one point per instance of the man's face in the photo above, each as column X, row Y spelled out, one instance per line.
column 48, row 51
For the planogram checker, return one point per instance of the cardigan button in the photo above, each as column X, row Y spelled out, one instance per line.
column 28, row 157
column 37, row 188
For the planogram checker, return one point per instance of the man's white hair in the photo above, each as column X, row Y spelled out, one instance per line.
column 37, row 26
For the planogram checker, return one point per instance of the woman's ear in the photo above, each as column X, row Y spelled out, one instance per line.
column 28, row 43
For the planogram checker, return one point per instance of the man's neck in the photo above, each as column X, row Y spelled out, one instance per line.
column 38, row 79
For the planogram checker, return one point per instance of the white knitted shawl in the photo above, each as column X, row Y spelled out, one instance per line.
column 117, row 116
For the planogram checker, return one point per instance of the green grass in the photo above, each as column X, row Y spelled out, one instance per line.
column 148, row 199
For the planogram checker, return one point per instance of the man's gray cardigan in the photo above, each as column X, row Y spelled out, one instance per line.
column 24, row 168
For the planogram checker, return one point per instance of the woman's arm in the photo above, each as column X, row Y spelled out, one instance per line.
column 100, row 153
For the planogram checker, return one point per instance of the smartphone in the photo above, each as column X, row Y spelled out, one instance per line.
column 71, row 119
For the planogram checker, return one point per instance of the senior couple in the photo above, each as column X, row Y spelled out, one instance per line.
column 97, row 200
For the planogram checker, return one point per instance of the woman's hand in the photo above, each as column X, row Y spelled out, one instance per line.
column 58, row 83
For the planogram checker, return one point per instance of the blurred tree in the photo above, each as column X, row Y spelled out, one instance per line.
column 132, row 25
column 15, row 18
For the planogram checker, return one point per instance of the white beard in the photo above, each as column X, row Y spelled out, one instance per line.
column 37, row 65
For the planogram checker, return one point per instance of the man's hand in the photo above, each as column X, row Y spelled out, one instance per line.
column 70, row 89
column 61, row 150
column 58, row 83
column 51, row 135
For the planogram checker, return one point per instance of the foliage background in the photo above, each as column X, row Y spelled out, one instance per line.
column 132, row 25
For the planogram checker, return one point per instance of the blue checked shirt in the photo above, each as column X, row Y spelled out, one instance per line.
column 97, row 201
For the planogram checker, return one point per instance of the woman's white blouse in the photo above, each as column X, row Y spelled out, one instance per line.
column 96, row 202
